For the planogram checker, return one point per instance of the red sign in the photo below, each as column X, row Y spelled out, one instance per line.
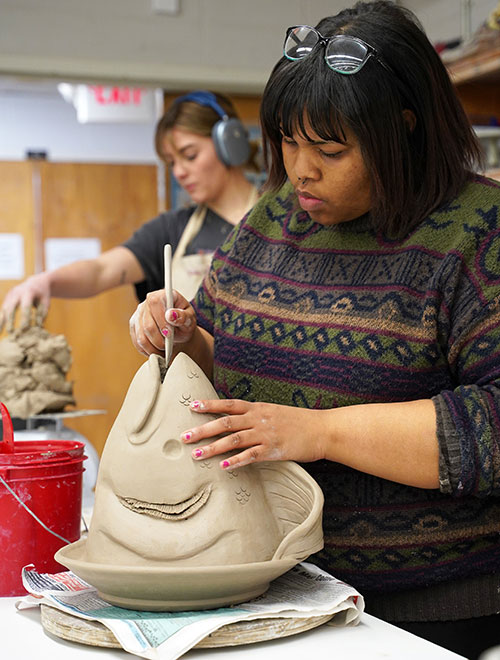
column 116, row 95
column 101, row 103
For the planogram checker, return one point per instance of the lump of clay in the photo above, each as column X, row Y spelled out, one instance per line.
column 158, row 509
column 33, row 368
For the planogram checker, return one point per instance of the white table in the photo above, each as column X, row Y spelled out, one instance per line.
column 22, row 638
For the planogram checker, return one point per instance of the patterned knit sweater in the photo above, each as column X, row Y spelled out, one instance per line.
column 320, row 317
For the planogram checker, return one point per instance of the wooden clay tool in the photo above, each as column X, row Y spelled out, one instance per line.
column 169, row 296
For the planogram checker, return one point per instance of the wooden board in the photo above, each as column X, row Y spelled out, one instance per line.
column 476, row 77
column 93, row 633
column 16, row 211
column 480, row 99
column 107, row 202
column 44, row 200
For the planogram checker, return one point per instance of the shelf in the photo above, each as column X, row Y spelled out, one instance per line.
column 483, row 66
column 493, row 174
column 475, row 72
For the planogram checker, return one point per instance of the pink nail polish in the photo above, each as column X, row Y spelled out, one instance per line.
column 198, row 453
column 173, row 315
column 164, row 332
column 225, row 464
column 188, row 435
column 195, row 404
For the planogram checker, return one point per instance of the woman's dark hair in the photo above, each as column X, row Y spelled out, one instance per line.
column 200, row 119
column 414, row 169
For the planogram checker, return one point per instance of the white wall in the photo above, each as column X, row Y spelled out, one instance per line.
column 223, row 44
column 37, row 118
column 442, row 18
column 226, row 44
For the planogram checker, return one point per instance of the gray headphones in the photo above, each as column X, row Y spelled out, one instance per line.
column 228, row 134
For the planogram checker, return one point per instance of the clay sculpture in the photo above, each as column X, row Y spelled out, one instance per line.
column 33, row 369
column 172, row 533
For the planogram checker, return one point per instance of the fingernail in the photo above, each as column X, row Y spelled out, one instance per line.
column 187, row 436
column 197, row 453
column 197, row 405
column 164, row 332
column 173, row 315
column 225, row 464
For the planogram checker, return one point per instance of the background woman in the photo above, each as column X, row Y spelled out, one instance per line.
column 352, row 322
column 215, row 181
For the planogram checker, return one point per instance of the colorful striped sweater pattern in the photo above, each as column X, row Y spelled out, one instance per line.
column 320, row 317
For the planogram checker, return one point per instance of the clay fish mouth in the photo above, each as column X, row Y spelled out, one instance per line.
column 169, row 511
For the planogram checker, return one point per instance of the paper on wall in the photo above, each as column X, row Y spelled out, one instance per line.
column 63, row 251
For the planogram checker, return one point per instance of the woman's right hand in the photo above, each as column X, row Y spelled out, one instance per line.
column 152, row 322
column 32, row 293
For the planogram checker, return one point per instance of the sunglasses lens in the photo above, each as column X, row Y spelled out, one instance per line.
column 299, row 42
column 346, row 55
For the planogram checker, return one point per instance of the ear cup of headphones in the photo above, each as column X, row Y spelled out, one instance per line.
column 231, row 142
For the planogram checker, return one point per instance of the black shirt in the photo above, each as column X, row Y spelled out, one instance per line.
column 148, row 241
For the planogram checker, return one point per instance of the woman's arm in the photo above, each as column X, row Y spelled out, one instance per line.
column 80, row 279
column 395, row 441
column 86, row 278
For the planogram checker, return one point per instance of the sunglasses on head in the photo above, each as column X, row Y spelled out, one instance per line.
column 343, row 53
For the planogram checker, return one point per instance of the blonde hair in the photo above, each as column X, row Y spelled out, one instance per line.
column 200, row 119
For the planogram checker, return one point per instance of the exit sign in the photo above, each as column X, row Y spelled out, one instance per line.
column 101, row 103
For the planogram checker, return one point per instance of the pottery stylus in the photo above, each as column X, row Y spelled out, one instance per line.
column 169, row 295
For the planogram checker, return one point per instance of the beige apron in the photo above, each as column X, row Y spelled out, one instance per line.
column 188, row 270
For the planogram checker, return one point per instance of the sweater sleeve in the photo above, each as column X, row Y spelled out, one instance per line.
column 468, row 417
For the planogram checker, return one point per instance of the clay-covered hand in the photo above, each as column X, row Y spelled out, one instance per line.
column 152, row 322
column 262, row 431
column 32, row 297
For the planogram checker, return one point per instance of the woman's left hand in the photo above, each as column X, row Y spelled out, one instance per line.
column 263, row 432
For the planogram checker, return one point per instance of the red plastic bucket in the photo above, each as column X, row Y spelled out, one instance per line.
column 45, row 476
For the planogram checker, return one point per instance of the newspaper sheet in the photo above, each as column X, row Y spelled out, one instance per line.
column 304, row 591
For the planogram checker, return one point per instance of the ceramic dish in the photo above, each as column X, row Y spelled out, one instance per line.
column 173, row 588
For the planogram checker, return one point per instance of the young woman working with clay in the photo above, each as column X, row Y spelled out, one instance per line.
column 352, row 322
column 203, row 142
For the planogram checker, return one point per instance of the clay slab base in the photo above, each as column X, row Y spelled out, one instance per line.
column 173, row 588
